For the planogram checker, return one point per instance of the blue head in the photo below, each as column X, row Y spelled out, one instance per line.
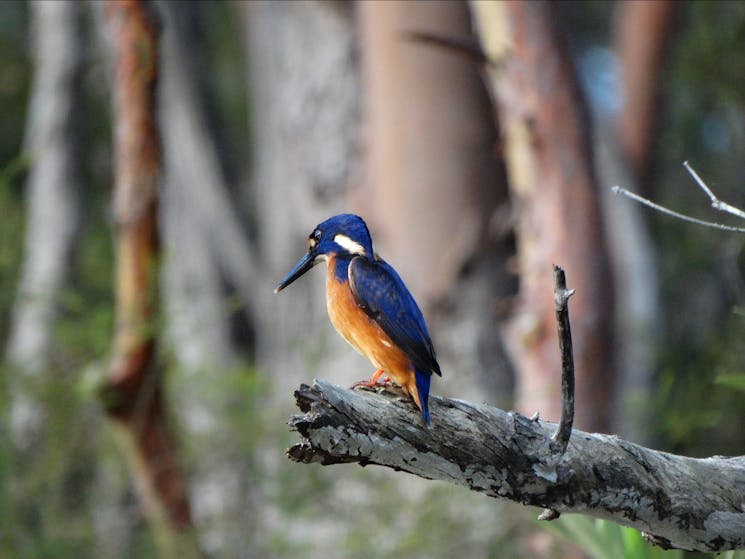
column 343, row 236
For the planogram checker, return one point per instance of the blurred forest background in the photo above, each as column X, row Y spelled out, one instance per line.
column 164, row 434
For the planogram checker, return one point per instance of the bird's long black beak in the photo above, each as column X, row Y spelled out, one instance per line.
column 302, row 266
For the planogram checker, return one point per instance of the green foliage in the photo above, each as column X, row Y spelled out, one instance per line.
column 699, row 398
column 601, row 539
column 43, row 481
column 369, row 516
column 11, row 238
column 697, row 403
column 15, row 74
column 735, row 381
column 711, row 51
column 86, row 316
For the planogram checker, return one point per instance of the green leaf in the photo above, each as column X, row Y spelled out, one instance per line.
column 634, row 546
column 732, row 380
column 598, row 538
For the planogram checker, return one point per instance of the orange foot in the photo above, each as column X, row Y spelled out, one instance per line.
column 373, row 382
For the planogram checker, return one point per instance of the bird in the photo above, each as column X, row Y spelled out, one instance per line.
column 371, row 307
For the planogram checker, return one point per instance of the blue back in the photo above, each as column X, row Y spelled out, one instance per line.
column 381, row 293
column 378, row 291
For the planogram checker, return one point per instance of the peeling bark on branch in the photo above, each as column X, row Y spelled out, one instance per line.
column 680, row 502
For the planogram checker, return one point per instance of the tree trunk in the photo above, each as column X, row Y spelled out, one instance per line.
column 624, row 150
column 205, row 244
column 52, row 201
column 639, row 320
column 133, row 392
column 207, row 257
column 304, row 104
column 549, row 161
column 679, row 502
column 640, row 32
column 304, row 100
column 432, row 182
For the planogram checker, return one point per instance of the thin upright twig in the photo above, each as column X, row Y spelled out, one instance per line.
column 716, row 203
column 560, row 439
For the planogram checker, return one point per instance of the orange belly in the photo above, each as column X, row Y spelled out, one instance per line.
column 364, row 334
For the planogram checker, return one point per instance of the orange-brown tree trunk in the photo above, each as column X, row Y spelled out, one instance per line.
column 545, row 135
column 133, row 392
column 640, row 31
column 430, row 174
column 428, row 144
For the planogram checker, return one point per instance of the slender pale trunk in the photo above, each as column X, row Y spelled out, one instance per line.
column 52, row 200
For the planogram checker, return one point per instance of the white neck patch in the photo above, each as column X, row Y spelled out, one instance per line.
column 349, row 245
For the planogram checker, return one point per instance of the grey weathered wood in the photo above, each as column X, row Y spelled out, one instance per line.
column 679, row 502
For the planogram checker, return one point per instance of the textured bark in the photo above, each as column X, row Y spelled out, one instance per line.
column 640, row 32
column 550, row 169
column 133, row 392
column 679, row 502
column 52, row 200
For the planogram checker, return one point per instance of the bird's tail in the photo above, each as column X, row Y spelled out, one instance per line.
column 422, row 389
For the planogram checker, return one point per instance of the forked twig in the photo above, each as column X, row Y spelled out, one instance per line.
column 716, row 203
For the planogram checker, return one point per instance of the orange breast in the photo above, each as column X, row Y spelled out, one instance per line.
column 364, row 334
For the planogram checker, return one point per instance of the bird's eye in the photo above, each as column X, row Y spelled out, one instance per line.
column 313, row 240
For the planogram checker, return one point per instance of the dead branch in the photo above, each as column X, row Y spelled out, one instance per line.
column 679, row 502
column 560, row 439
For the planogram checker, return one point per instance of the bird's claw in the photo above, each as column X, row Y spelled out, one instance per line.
column 374, row 381
column 384, row 383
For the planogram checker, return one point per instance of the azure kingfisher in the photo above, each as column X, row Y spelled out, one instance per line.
column 370, row 306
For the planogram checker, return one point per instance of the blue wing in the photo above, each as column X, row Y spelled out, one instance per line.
column 381, row 293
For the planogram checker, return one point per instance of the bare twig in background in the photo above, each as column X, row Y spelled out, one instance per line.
column 715, row 203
